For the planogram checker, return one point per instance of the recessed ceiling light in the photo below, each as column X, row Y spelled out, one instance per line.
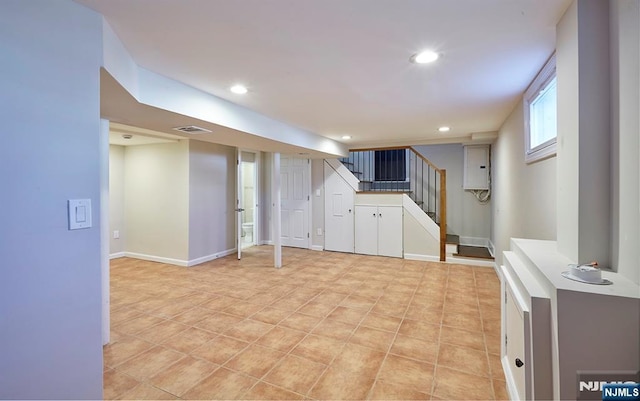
column 239, row 89
column 346, row 136
column 424, row 57
column 444, row 129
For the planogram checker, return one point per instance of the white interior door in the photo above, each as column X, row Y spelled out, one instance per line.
column 338, row 212
column 294, row 197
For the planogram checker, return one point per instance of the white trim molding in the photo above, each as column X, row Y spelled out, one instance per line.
column 213, row 256
column 423, row 258
column 317, row 248
column 117, row 255
column 153, row 258
column 475, row 241
column 539, row 85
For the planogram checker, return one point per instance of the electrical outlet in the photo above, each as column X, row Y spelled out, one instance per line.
column 318, row 231
column 116, row 234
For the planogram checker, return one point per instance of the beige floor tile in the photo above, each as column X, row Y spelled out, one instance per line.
column 125, row 348
column 336, row 384
column 162, row 331
column 123, row 314
column 377, row 339
column 495, row 365
column 381, row 322
column 493, row 343
column 318, row 348
column 116, row 384
column 219, row 350
column 182, row 375
column 194, row 315
column 255, row 361
column 464, row 359
column 335, row 329
column 295, row 373
column 281, row 338
column 455, row 385
column 471, row 339
column 383, row 390
column 315, row 308
column 500, row 390
column 330, row 297
column 218, row 322
column 145, row 391
column 219, row 303
column 243, row 309
column 150, row 362
column 248, row 330
column 460, row 321
column 138, row 324
column 271, row 315
column 425, row 314
column 287, row 304
column 389, row 308
column 407, row 372
column 358, row 302
column 347, row 315
column 265, row 391
column 420, row 329
column 301, row 322
column 415, row 348
column 491, row 326
column 222, row 384
column 358, row 360
column 188, row 340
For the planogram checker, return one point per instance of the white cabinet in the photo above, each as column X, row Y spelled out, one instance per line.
column 378, row 230
column 476, row 167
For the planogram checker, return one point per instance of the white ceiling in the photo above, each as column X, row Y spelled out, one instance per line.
column 341, row 67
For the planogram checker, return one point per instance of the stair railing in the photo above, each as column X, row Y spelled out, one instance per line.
column 403, row 170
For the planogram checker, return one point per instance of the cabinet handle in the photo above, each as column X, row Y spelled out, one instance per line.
column 374, row 215
column 519, row 363
column 380, row 214
column 349, row 210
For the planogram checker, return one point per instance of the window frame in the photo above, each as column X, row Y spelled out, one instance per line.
column 538, row 85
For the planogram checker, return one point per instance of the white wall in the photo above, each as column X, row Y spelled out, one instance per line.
column 524, row 195
column 466, row 216
column 50, row 291
column 624, row 52
column 116, row 199
column 212, row 197
column 157, row 200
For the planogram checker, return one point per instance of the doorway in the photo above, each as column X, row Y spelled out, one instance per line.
column 248, row 196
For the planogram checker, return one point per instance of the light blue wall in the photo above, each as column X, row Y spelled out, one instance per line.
column 50, row 291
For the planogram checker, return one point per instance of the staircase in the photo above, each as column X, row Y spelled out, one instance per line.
column 403, row 170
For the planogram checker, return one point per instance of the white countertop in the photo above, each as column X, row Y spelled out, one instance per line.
column 545, row 257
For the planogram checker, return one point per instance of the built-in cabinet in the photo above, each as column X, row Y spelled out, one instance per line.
column 378, row 227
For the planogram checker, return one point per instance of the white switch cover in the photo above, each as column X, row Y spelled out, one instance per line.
column 317, row 192
column 116, row 234
column 79, row 213
column 319, row 231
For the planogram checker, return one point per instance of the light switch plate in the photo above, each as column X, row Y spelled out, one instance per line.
column 79, row 213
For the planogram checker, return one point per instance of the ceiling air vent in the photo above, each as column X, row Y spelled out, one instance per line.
column 191, row 129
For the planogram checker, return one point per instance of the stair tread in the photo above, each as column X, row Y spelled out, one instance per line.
column 453, row 239
column 477, row 252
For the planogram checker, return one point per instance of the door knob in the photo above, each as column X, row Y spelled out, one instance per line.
column 349, row 210
column 519, row 363
column 240, row 210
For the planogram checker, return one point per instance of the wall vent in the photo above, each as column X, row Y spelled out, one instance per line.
column 192, row 129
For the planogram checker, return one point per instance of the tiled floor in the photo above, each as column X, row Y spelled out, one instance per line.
column 325, row 326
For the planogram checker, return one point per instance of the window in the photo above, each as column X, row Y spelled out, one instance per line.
column 540, row 114
column 390, row 165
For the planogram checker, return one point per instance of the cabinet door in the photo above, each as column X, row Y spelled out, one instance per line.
column 390, row 231
column 366, row 230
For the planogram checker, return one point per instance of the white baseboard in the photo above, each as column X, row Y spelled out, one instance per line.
column 474, row 241
column 492, row 249
column 317, row 248
column 117, row 255
column 153, row 258
column 266, row 242
column 214, row 256
column 424, row 258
